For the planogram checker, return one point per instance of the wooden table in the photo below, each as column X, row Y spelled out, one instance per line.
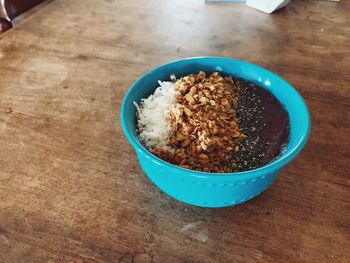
column 71, row 189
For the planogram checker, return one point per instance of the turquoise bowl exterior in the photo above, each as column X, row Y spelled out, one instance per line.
column 215, row 189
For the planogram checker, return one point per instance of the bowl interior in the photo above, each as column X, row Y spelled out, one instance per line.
column 282, row 90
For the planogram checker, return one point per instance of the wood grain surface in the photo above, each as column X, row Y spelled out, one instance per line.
column 71, row 189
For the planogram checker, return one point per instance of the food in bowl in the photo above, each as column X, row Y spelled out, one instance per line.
column 213, row 123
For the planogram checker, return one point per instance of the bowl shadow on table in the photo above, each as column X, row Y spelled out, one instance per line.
column 264, row 225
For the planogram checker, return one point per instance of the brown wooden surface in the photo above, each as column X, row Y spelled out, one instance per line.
column 71, row 189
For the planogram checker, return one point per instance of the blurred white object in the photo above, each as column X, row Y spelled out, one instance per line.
column 267, row 6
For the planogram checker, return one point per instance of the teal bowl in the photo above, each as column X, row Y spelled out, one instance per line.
column 215, row 189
